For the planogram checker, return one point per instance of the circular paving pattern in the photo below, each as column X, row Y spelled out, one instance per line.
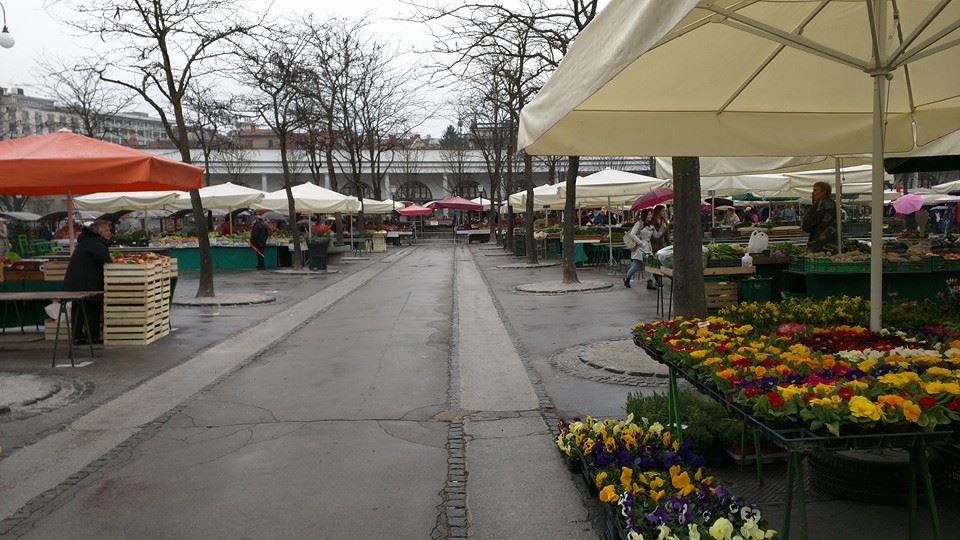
column 558, row 287
column 23, row 395
column 616, row 361
column 526, row 265
column 226, row 299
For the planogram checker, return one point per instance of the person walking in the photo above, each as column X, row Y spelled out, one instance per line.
column 85, row 273
column 638, row 241
column 661, row 235
column 258, row 240
column 820, row 221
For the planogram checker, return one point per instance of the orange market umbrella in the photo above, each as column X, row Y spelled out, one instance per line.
column 64, row 163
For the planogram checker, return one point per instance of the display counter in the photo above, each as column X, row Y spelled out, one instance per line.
column 224, row 257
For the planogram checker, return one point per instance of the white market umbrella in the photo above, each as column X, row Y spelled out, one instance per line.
column 764, row 78
column 372, row 206
column 310, row 198
column 226, row 196
column 132, row 200
column 617, row 187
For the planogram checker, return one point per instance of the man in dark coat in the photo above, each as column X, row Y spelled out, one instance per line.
column 85, row 273
column 258, row 239
column 820, row 221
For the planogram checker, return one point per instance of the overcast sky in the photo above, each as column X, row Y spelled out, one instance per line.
column 39, row 33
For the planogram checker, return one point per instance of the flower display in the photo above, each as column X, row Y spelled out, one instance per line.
column 826, row 377
column 658, row 484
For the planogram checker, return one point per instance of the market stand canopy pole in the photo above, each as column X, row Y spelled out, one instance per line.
column 764, row 78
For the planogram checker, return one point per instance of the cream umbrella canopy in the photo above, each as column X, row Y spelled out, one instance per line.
column 756, row 78
column 310, row 198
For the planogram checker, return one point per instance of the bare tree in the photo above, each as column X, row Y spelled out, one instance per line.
column 158, row 49
column 527, row 42
column 235, row 160
column 91, row 102
column 273, row 67
column 209, row 118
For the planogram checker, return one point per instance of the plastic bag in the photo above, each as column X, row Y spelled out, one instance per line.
column 759, row 242
column 665, row 256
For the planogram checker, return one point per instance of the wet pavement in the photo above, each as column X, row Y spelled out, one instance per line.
column 410, row 395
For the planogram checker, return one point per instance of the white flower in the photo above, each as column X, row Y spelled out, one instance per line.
column 634, row 535
column 693, row 531
column 656, row 428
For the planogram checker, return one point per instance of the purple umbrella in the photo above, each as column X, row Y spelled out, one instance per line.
column 908, row 204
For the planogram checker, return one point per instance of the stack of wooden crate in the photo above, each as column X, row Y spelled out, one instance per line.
column 721, row 294
column 55, row 270
column 136, row 302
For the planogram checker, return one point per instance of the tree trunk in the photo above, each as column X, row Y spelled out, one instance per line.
column 528, row 227
column 688, row 294
column 570, row 219
column 297, row 255
column 511, row 223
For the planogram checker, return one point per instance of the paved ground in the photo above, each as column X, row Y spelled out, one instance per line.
column 412, row 395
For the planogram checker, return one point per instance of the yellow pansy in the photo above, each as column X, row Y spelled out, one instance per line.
column 609, row 494
column 681, row 483
column 939, row 387
column 600, row 478
column 626, row 477
column 865, row 365
column 911, row 411
column 862, row 407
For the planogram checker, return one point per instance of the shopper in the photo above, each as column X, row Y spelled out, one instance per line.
column 85, row 273
column 820, row 221
column 258, row 241
column 661, row 234
column 639, row 238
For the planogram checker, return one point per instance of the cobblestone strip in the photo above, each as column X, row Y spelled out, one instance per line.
column 21, row 521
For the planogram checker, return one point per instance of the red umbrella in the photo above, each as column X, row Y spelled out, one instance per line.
column 457, row 203
column 652, row 198
column 67, row 163
column 414, row 210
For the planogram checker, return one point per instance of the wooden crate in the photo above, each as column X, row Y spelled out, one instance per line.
column 50, row 329
column 136, row 302
column 55, row 270
column 721, row 294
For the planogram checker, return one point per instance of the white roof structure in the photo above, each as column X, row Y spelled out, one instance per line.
column 226, row 196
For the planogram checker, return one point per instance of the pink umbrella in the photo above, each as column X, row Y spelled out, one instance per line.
column 908, row 204
column 654, row 197
column 415, row 210
column 457, row 203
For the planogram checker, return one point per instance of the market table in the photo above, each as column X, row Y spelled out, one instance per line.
column 907, row 285
column 62, row 297
column 799, row 440
column 224, row 257
column 468, row 234
column 397, row 237
column 663, row 271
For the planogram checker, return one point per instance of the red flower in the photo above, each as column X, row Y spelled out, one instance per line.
column 751, row 391
column 928, row 401
column 808, row 396
column 845, row 393
column 954, row 405
column 775, row 400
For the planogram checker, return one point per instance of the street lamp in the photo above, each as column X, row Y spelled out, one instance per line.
column 6, row 38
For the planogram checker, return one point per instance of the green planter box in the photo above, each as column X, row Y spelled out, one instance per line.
column 756, row 289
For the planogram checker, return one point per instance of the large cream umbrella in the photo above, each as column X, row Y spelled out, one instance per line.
column 310, row 198
column 618, row 187
column 756, row 78
column 227, row 196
